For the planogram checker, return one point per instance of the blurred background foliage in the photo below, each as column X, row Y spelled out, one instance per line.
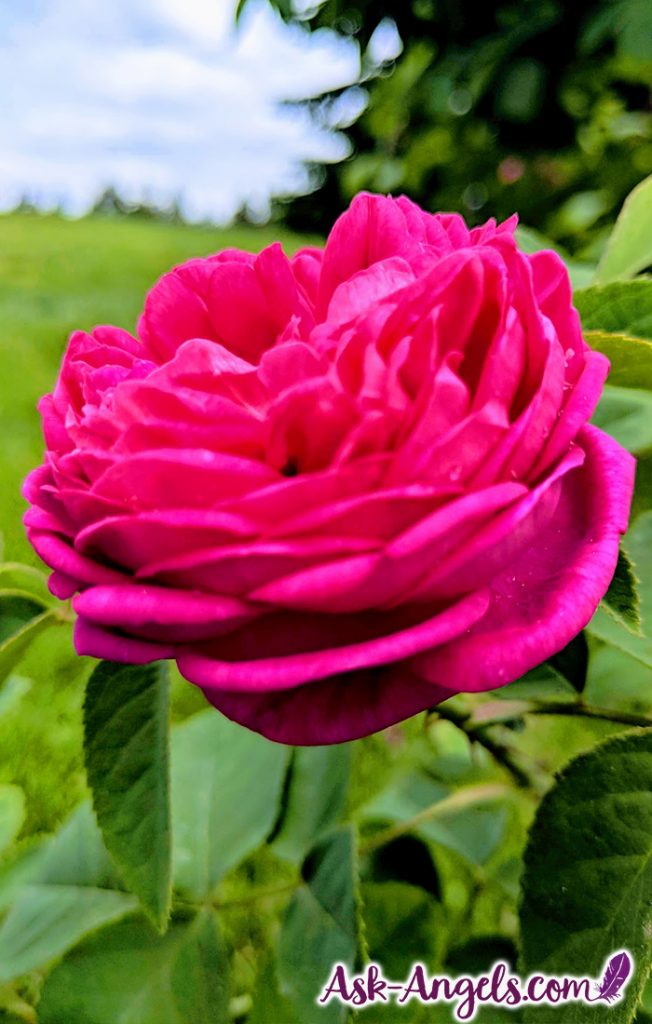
column 538, row 106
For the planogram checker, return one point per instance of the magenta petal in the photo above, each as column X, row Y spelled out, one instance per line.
column 548, row 594
column 97, row 642
column 358, row 293
column 499, row 540
column 173, row 313
column 379, row 515
column 59, row 555
column 162, row 613
column 162, row 478
column 238, row 569
column 372, row 229
column 62, row 586
column 579, row 408
column 380, row 578
column 239, row 311
column 137, row 540
column 286, row 672
column 333, row 710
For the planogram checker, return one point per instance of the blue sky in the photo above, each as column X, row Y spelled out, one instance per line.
column 160, row 98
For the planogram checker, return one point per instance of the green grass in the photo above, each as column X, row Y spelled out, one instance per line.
column 57, row 276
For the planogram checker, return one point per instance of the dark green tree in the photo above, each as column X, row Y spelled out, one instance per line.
column 539, row 106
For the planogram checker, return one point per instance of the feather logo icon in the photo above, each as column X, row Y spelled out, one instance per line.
column 616, row 973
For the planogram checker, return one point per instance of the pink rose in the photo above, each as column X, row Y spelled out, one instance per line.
column 340, row 487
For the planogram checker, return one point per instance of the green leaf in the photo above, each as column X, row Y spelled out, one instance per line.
column 25, row 578
column 315, row 795
column 639, row 546
column 321, row 927
column 626, row 414
column 587, row 887
column 226, row 790
column 622, row 599
column 630, row 358
column 540, row 683
column 629, row 249
column 617, row 681
column 622, row 307
column 605, row 628
column 268, row 1004
column 404, row 924
column 57, row 893
column 126, row 727
column 127, row 974
column 643, row 487
column 76, row 855
column 22, row 620
column 48, row 920
column 12, row 814
column 474, row 832
column 644, row 1015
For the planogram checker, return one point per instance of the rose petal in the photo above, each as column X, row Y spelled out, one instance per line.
column 162, row 614
column 239, row 569
column 334, row 710
column 156, row 479
column 137, row 540
column 58, row 554
column 542, row 600
column 284, row 671
column 102, row 643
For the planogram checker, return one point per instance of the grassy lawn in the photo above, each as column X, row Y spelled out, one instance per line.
column 58, row 275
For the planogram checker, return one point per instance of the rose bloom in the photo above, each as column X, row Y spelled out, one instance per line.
column 339, row 487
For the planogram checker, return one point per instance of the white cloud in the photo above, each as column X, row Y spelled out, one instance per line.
column 159, row 97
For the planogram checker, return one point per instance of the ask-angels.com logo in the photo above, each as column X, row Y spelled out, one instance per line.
column 468, row 993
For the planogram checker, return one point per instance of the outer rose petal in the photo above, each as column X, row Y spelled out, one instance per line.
column 333, row 710
column 161, row 614
column 323, row 654
column 340, row 707
column 545, row 597
column 562, row 588
column 102, row 643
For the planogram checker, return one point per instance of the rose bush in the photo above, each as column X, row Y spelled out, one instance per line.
column 336, row 488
